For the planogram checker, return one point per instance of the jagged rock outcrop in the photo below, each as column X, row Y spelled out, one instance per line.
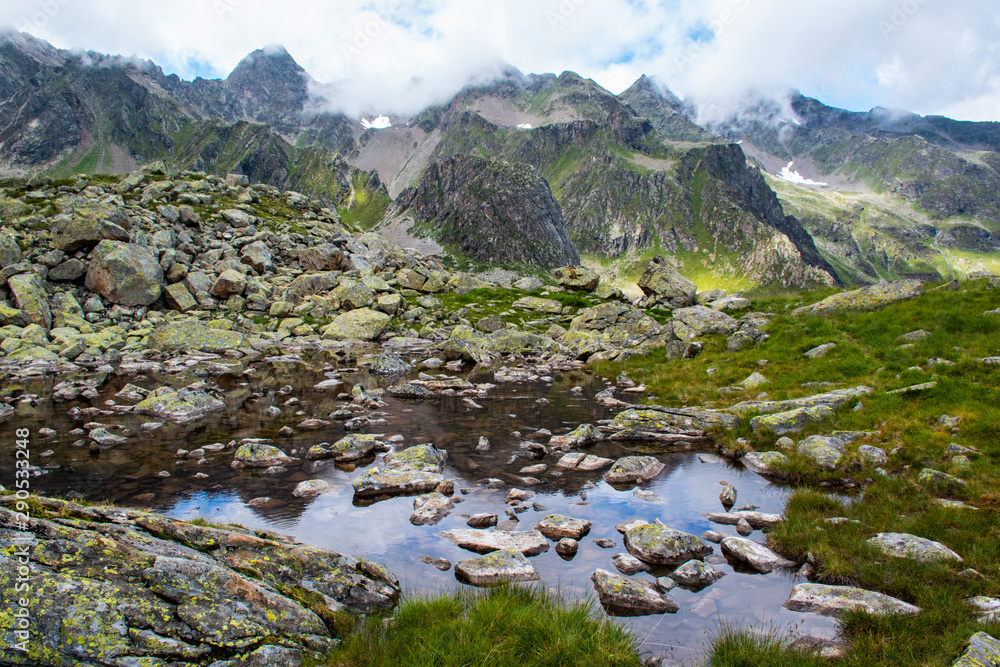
column 491, row 210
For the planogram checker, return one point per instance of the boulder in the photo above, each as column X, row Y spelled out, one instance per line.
column 836, row 600
column 758, row 520
column 557, row 526
column 10, row 251
column 903, row 545
column 353, row 295
column 577, row 278
column 793, row 420
column 259, row 455
column 229, row 283
column 31, row 298
column 534, row 303
column 67, row 271
column 695, row 574
column 426, row 458
column 181, row 406
column 824, row 451
column 179, row 298
column 660, row 545
column 529, row 543
column 352, row 447
column 696, row 321
column 866, row 298
column 633, row 470
column 257, row 255
column 505, row 565
column 311, row 488
column 621, row 596
column 124, row 274
column 430, row 508
column 326, row 257
column 193, row 335
column 361, row 324
column 84, row 224
column 940, row 480
column 617, row 321
column 383, row 482
column 389, row 364
column 983, row 651
column 753, row 554
column 664, row 287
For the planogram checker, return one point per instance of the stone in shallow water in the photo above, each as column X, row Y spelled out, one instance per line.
column 259, row 455
column 179, row 406
column 557, row 526
column 483, row 520
column 628, row 565
column 383, row 482
column 311, row 488
column 757, row 520
column 567, row 547
column 836, row 600
column 753, row 554
column 427, row 458
column 633, row 469
column 664, row 546
column 621, row 596
column 354, row 447
column 530, row 542
column 505, row 565
column 389, row 364
column 430, row 508
column 695, row 574
column 903, row 545
column 764, row 463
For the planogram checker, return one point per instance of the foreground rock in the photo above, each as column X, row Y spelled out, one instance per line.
column 384, row 482
column 983, row 651
column 192, row 335
column 633, row 470
column 125, row 274
column 836, row 600
column 530, row 543
column 160, row 591
column 753, row 554
column 902, row 545
column 557, row 526
column 505, row 565
column 180, row 406
column 622, row 596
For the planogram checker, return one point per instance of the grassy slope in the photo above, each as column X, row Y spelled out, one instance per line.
column 868, row 353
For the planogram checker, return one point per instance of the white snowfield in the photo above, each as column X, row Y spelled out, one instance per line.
column 525, row 126
column 380, row 123
column 795, row 177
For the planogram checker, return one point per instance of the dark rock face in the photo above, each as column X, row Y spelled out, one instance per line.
column 493, row 211
column 169, row 591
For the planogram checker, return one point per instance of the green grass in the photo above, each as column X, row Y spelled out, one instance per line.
column 502, row 626
column 870, row 353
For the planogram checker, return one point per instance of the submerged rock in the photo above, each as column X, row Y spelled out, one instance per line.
column 505, row 565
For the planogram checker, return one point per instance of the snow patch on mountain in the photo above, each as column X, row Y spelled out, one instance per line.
column 795, row 177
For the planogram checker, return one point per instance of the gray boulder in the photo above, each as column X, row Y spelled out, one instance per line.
column 505, row 565
column 690, row 323
column 660, row 545
column 125, row 274
column 31, row 298
column 621, row 596
column 903, row 545
column 753, row 554
column 664, row 287
column 836, row 600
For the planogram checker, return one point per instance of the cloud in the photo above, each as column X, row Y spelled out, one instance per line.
column 391, row 56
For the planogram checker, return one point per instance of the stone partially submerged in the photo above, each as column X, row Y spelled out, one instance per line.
column 660, row 545
column 622, row 596
column 528, row 542
column 633, row 470
column 384, row 482
column 557, row 526
column 179, row 406
column 505, row 565
column 836, row 600
column 753, row 554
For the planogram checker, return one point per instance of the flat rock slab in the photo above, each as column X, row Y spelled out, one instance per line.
column 758, row 520
column 621, row 596
column 528, row 542
column 505, row 565
column 753, row 554
column 793, row 420
column 179, row 406
column 866, row 298
column 426, row 458
column 836, row 600
column 193, row 335
column 557, row 526
column 660, row 545
column 983, row 651
column 382, row 482
column 633, row 470
column 903, row 545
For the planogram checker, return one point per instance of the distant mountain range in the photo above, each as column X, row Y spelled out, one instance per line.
column 544, row 169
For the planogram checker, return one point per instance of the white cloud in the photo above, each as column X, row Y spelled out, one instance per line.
column 396, row 56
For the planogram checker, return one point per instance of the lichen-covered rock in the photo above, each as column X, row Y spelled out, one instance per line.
column 193, row 335
column 505, row 565
column 389, row 364
column 557, row 526
column 31, row 298
column 111, row 585
column 353, row 295
column 582, row 436
column 836, row 600
column 665, row 420
column 940, row 480
column 577, row 278
column 866, row 298
column 180, row 406
column 125, row 274
column 695, row 574
column 538, row 304
column 384, row 482
column 871, row 455
column 824, row 451
column 359, row 324
column 793, row 420
column 529, row 543
column 257, row 255
column 512, row 341
column 430, row 508
column 426, row 457
column 633, row 470
column 326, row 257
column 179, row 298
column 83, row 224
column 753, row 554
column 621, row 596
column 352, row 447
column 229, row 283
column 664, row 287
column 903, row 545
column 758, row 520
column 10, row 252
column 618, row 321
column 983, row 651
column 690, row 323
column 832, row 399
column 259, row 455
column 660, row 545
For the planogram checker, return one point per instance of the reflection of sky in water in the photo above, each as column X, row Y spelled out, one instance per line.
column 685, row 490
column 129, row 475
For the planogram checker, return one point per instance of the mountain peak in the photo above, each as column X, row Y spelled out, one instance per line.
column 272, row 61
